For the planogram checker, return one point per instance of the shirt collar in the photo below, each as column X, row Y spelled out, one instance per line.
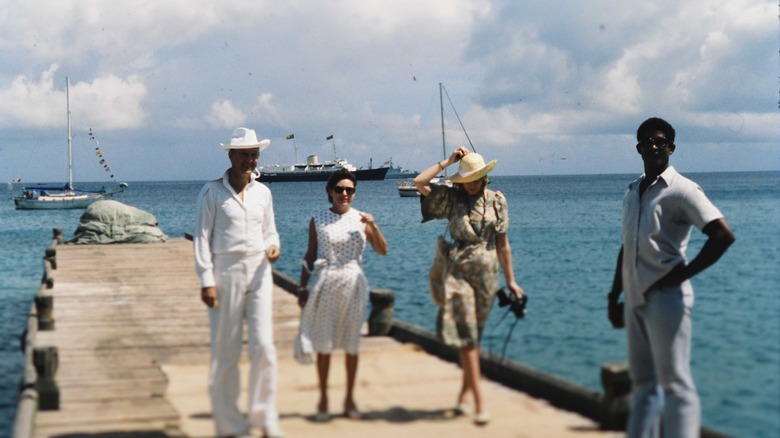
column 226, row 181
column 667, row 177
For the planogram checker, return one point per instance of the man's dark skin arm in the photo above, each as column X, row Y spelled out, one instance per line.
column 614, row 309
column 720, row 237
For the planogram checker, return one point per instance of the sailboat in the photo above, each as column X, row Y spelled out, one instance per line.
column 58, row 197
column 408, row 189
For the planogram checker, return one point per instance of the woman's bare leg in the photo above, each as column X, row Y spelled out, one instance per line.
column 352, row 365
column 323, row 369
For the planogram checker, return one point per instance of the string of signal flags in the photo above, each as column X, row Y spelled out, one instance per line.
column 99, row 155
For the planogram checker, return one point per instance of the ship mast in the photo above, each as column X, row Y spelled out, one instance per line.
column 295, row 146
column 70, row 136
column 443, row 142
column 335, row 155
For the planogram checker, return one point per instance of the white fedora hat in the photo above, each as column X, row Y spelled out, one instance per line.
column 245, row 138
column 472, row 167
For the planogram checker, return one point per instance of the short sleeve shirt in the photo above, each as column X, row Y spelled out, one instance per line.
column 471, row 218
column 657, row 228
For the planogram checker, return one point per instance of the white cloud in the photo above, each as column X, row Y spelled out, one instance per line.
column 536, row 77
column 80, row 27
column 32, row 104
column 266, row 114
column 110, row 102
column 224, row 114
column 107, row 103
column 403, row 19
column 619, row 89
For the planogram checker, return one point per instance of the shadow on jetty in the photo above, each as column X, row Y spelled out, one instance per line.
column 609, row 409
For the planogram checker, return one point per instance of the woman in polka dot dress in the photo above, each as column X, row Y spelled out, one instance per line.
column 334, row 310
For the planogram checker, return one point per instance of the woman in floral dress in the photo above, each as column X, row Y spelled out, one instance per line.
column 478, row 222
column 335, row 309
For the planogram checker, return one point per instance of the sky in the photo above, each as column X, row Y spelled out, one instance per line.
column 556, row 87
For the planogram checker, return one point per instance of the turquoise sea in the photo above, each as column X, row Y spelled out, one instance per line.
column 564, row 232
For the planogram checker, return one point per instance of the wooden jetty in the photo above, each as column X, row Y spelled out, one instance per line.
column 126, row 354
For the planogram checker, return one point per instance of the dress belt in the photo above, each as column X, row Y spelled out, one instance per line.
column 462, row 244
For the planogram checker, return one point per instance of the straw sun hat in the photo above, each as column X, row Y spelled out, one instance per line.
column 472, row 167
column 245, row 138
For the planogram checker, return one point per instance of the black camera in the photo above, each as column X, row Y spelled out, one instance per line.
column 508, row 298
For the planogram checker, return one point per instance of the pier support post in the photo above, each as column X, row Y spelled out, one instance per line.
column 49, row 264
column 616, row 381
column 57, row 235
column 44, row 307
column 380, row 320
column 51, row 257
column 46, row 360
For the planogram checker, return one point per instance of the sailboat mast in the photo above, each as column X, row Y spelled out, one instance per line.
column 443, row 142
column 70, row 137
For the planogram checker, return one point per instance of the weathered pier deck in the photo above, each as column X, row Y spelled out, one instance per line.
column 132, row 341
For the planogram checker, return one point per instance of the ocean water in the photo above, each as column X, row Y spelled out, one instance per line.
column 564, row 232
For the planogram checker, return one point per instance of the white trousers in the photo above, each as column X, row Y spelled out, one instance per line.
column 244, row 289
column 659, row 356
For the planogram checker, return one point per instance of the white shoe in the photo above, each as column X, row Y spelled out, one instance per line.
column 273, row 431
column 482, row 419
column 461, row 410
column 322, row 416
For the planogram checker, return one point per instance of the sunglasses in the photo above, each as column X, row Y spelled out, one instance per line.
column 659, row 142
column 342, row 189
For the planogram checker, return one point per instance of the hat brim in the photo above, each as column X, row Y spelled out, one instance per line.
column 262, row 145
column 474, row 176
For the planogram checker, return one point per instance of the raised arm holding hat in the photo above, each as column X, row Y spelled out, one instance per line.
column 478, row 223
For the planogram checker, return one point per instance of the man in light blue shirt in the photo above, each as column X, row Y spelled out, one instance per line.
column 659, row 209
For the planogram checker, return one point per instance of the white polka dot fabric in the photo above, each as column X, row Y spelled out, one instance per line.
column 336, row 308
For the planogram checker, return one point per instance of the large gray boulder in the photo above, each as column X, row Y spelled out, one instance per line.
column 113, row 222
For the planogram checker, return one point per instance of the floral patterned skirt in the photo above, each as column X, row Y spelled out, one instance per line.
column 470, row 284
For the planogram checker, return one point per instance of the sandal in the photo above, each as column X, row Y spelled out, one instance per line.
column 481, row 419
column 322, row 416
column 353, row 414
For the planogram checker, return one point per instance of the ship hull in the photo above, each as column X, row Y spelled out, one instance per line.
column 67, row 202
column 377, row 174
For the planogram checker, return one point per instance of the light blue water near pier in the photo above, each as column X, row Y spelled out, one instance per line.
column 565, row 236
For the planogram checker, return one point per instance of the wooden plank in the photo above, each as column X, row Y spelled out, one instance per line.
column 119, row 310
column 133, row 348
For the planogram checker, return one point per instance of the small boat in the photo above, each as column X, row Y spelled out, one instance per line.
column 61, row 197
column 313, row 170
column 407, row 189
column 398, row 172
